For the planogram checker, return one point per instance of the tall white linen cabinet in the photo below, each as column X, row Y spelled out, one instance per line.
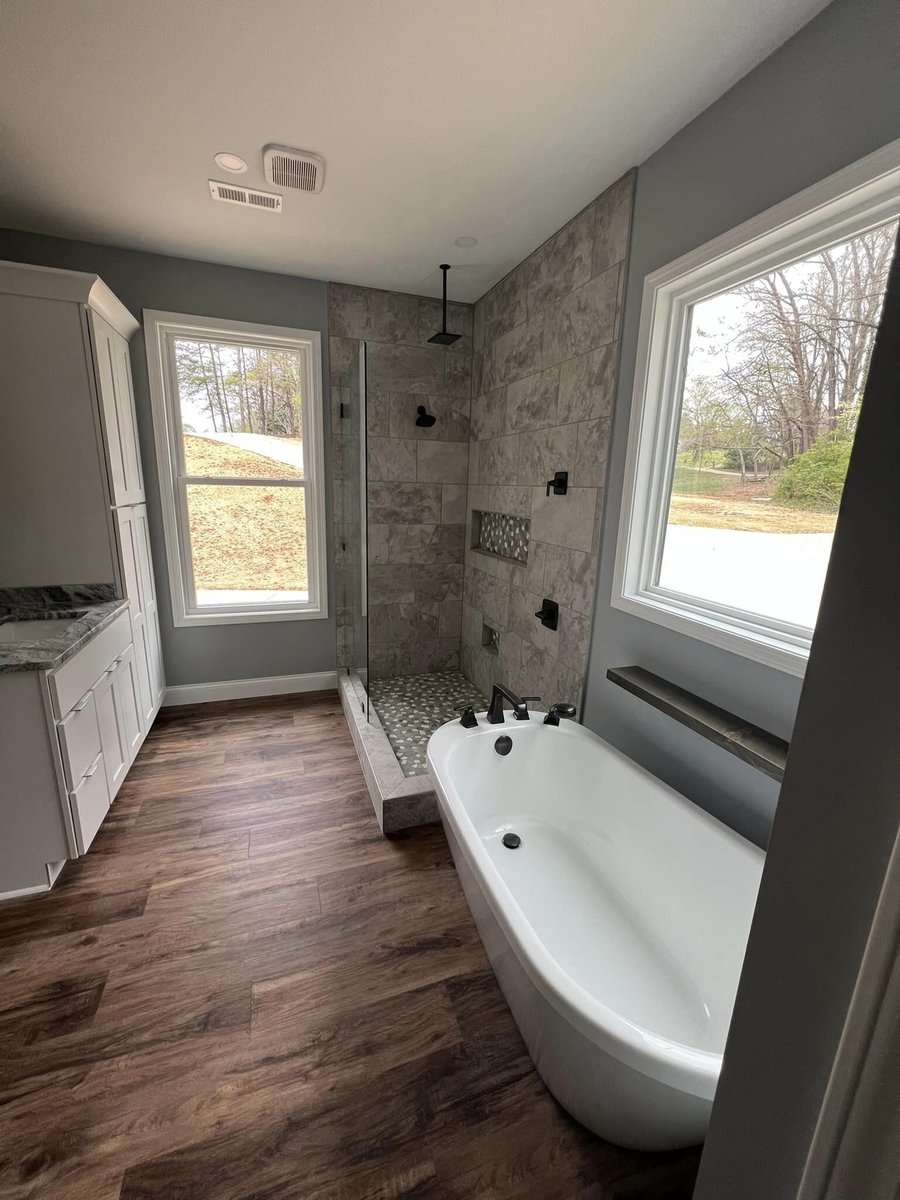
column 72, row 503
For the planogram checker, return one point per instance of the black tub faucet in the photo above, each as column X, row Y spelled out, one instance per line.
column 519, row 703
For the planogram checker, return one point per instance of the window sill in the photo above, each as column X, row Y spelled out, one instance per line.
column 762, row 646
column 224, row 617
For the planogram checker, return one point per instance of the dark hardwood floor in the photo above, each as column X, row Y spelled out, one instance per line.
column 244, row 990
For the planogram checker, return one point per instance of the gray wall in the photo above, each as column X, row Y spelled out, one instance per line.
column 826, row 98
column 416, row 475
column 212, row 652
column 544, row 378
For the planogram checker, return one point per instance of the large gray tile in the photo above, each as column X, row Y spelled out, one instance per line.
column 531, row 402
column 451, row 424
column 442, row 462
column 391, row 584
column 572, row 574
column 399, row 621
column 390, row 503
column 416, row 543
column 562, row 264
column 438, row 581
column 582, row 320
column 450, row 617
column 504, row 306
column 459, row 320
column 592, row 454
column 612, row 222
column 564, row 520
column 416, row 369
column 574, row 639
column 489, row 415
column 453, row 504
column 341, row 352
column 359, row 312
column 546, row 451
column 489, row 595
column 378, row 414
column 498, row 460
column 458, row 376
column 587, row 385
column 522, row 621
column 514, row 355
column 391, row 459
column 377, row 541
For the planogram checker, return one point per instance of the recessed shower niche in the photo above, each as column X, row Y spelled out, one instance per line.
column 500, row 534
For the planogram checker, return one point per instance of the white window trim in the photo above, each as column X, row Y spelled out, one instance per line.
column 860, row 197
column 160, row 330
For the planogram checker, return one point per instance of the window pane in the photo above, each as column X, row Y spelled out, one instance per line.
column 240, row 410
column 248, row 544
column 774, row 381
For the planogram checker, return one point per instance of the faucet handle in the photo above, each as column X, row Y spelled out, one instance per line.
column 522, row 714
column 468, row 720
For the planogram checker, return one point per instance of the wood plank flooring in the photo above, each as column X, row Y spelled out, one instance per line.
column 245, row 991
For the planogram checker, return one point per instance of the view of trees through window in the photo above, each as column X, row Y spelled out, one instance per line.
column 241, row 423
column 773, row 386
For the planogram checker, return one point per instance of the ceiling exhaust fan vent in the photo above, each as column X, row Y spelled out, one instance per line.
column 248, row 197
column 286, row 167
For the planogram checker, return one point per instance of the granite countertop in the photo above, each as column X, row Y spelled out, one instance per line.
column 91, row 608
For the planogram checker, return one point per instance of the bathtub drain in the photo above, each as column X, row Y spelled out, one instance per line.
column 512, row 841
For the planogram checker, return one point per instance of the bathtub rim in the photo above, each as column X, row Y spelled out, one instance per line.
column 677, row 1064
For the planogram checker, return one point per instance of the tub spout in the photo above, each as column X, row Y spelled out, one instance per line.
column 519, row 703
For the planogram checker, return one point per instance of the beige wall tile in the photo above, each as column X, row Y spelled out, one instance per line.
column 442, row 462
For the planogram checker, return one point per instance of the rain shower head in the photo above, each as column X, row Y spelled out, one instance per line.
column 443, row 338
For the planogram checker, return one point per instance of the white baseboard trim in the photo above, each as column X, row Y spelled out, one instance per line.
column 19, row 893
column 241, row 689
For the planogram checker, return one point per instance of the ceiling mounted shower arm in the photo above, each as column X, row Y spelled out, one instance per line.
column 444, row 338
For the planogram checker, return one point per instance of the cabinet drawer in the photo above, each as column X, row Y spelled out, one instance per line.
column 78, row 675
column 90, row 804
column 79, row 739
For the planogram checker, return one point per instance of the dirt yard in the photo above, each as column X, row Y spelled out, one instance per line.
column 719, row 500
column 244, row 537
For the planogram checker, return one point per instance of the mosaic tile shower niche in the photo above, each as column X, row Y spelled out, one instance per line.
column 501, row 534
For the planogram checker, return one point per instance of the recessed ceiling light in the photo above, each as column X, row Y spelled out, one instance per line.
column 230, row 162
column 466, row 242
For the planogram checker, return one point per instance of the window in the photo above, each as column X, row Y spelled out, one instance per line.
column 751, row 367
column 237, row 413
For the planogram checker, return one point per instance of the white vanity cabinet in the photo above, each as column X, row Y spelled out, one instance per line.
column 95, row 732
column 67, row 739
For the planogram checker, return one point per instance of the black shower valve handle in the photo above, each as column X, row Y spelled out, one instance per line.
column 559, row 484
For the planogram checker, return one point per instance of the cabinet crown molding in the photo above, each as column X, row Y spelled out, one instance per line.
column 78, row 287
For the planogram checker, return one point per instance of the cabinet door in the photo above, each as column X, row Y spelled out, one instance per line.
column 90, row 804
column 113, row 367
column 128, row 702
column 112, row 733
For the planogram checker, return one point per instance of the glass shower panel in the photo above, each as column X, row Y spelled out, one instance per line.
column 350, row 521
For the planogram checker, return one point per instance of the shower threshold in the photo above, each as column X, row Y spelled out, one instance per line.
column 414, row 706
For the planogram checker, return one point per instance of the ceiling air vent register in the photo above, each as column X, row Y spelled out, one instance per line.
column 289, row 168
column 230, row 193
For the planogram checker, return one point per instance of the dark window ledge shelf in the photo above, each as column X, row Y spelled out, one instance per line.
column 747, row 742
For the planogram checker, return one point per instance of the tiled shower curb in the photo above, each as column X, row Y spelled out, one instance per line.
column 400, row 801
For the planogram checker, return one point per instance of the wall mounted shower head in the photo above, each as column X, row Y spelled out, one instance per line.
column 425, row 419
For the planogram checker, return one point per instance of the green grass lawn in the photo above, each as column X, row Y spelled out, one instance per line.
column 689, row 482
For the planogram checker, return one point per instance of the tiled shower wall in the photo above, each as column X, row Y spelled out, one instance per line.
column 417, row 476
column 545, row 361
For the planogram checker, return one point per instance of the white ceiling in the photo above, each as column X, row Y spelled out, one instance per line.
column 498, row 119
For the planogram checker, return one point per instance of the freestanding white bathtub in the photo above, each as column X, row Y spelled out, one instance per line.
column 618, row 927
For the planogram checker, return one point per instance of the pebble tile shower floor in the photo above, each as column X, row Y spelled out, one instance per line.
column 412, row 707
